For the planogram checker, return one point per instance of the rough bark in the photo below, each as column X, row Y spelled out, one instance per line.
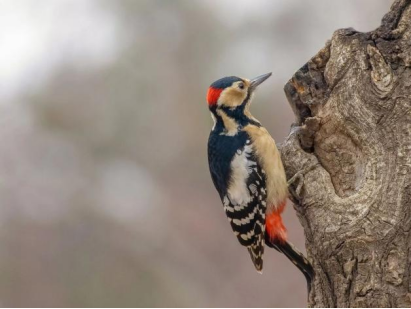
column 352, row 103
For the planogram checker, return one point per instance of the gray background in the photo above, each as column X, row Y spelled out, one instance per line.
column 105, row 194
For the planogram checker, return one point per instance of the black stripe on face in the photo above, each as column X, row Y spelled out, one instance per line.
column 244, row 103
column 238, row 115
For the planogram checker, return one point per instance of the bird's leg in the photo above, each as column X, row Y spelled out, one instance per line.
column 300, row 176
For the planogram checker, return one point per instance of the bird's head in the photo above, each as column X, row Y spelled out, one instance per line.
column 233, row 92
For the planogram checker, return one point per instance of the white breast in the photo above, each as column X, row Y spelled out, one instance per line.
column 241, row 167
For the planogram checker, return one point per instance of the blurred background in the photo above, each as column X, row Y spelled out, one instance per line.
column 105, row 193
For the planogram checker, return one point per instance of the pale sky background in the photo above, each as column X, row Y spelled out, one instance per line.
column 37, row 37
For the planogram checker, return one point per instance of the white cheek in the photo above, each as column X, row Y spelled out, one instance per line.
column 221, row 98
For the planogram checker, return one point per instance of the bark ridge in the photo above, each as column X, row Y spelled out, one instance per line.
column 352, row 103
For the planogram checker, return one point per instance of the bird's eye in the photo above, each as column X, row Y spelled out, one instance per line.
column 241, row 86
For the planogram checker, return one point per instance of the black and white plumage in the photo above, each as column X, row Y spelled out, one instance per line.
column 247, row 171
column 241, row 186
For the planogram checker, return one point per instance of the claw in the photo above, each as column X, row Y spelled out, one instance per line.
column 300, row 176
column 296, row 194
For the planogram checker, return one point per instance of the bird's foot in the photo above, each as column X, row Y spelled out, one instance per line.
column 299, row 176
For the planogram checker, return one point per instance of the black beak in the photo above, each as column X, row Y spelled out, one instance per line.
column 258, row 80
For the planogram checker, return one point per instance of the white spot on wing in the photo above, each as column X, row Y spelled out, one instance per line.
column 247, row 219
column 253, row 188
column 247, row 236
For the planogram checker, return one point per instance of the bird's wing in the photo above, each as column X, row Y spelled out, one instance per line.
column 245, row 203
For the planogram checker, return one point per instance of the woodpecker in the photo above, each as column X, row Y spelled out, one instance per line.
column 247, row 170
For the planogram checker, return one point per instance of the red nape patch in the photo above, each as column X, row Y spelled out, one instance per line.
column 275, row 226
column 212, row 95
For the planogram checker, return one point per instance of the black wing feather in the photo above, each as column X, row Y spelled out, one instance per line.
column 247, row 221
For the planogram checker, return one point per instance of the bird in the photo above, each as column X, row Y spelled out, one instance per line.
column 247, row 171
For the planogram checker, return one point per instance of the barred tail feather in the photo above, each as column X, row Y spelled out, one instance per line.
column 256, row 251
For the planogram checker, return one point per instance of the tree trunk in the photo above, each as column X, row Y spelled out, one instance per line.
column 352, row 103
